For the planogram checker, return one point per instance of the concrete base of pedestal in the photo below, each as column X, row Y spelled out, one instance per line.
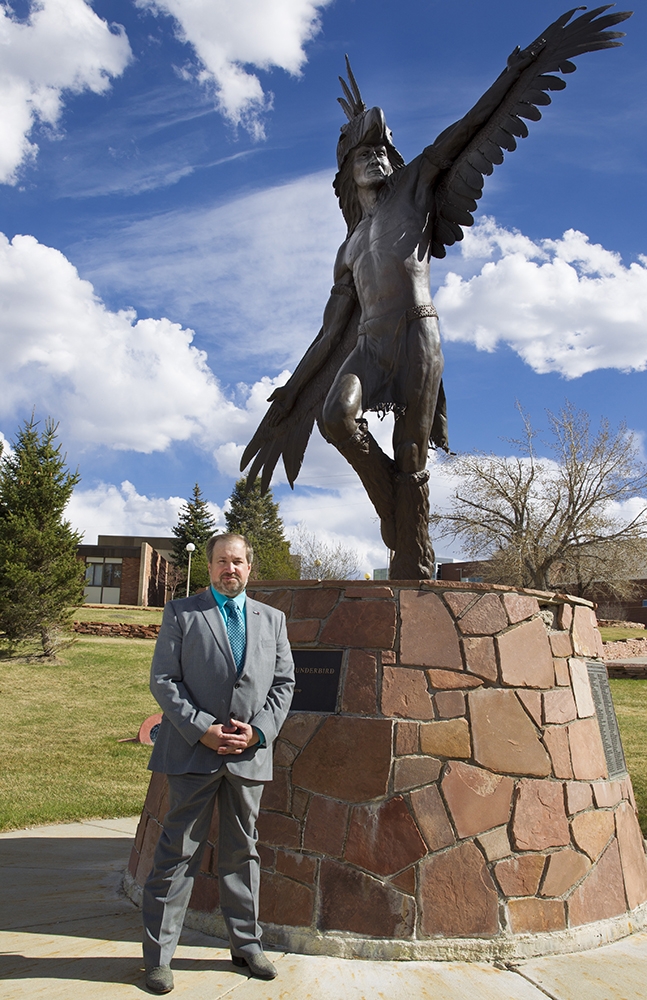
column 458, row 804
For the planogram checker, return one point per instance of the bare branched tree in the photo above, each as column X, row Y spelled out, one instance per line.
column 546, row 522
column 323, row 561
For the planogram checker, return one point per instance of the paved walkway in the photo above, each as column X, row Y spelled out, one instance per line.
column 67, row 934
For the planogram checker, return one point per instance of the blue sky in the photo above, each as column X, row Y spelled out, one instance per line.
column 170, row 228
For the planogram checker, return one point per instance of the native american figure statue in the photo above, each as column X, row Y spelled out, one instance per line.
column 379, row 346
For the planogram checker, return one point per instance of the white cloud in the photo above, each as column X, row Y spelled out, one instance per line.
column 120, row 510
column 6, row 448
column 252, row 275
column 228, row 35
column 62, row 47
column 563, row 305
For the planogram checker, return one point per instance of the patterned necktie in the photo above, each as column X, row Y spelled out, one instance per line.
column 235, row 632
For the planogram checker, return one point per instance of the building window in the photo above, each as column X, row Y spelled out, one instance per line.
column 102, row 580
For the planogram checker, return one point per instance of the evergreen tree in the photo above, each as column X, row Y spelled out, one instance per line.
column 195, row 524
column 41, row 578
column 257, row 517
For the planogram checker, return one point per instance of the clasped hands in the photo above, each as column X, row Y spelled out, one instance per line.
column 231, row 739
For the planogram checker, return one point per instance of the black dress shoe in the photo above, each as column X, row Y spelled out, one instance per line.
column 258, row 965
column 159, row 978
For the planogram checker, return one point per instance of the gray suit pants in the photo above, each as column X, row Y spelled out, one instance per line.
column 179, row 854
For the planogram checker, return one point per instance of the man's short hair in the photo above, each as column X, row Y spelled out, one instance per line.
column 228, row 536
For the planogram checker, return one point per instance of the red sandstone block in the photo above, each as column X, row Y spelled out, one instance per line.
column 565, row 617
column 357, row 903
column 347, row 758
column 556, row 740
column 445, row 680
column 157, row 787
column 539, row 819
column 531, row 701
column 519, row 607
column 632, row 854
column 559, row 706
column 406, row 881
column 284, row 753
column 447, row 738
column 431, row 818
column 520, row 876
column 305, row 630
column 360, row 685
column 388, row 656
column 504, row 738
column 151, row 836
column 587, row 753
column 532, row 916
column 314, row 603
column 457, row 894
column 483, row 615
column 411, row 772
column 607, row 793
column 601, row 894
column 205, row 896
column 267, row 856
column 276, row 794
column 563, row 870
column 578, row 796
column 427, row 633
column 299, row 727
column 368, row 593
column 278, row 830
column 405, row 693
column 525, row 656
column 450, row 704
column 586, row 638
column 281, row 599
column 480, row 656
column 133, row 861
column 593, row 830
column 363, row 624
column 406, row 738
column 300, row 800
column 560, row 644
column 383, row 839
column 477, row 799
column 326, row 824
column 296, row 866
column 283, row 901
column 562, row 675
column 581, row 688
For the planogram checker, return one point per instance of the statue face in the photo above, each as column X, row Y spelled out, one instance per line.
column 371, row 165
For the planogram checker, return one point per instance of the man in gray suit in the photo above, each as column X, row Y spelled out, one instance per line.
column 223, row 675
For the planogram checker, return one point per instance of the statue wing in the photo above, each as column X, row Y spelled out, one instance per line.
column 287, row 435
column 462, row 186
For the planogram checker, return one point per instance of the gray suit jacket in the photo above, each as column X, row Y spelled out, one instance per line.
column 193, row 677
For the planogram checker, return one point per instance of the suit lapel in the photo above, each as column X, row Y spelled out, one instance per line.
column 214, row 620
column 252, row 633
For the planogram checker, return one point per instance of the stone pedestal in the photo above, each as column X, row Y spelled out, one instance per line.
column 458, row 804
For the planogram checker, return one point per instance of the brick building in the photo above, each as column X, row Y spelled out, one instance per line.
column 126, row 569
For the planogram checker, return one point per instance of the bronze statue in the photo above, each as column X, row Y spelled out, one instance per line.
column 379, row 346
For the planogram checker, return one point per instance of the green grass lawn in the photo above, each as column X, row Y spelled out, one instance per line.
column 60, row 725
column 614, row 633
column 139, row 616
column 630, row 700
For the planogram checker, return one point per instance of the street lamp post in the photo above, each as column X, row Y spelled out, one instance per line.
column 190, row 548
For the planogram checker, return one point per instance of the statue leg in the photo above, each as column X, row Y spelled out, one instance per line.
column 345, row 428
column 414, row 555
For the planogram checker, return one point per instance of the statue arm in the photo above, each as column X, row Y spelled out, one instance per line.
column 339, row 309
column 455, row 165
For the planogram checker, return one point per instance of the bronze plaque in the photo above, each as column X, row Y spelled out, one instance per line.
column 317, row 673
column 607, row 720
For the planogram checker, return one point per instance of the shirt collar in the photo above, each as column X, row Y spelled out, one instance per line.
column 221, row 599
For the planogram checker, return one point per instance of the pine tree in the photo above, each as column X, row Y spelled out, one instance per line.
column 195, row 524
column 257, row 517
column 41, row 578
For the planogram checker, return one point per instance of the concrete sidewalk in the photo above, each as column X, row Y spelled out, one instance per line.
column 67, row 933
